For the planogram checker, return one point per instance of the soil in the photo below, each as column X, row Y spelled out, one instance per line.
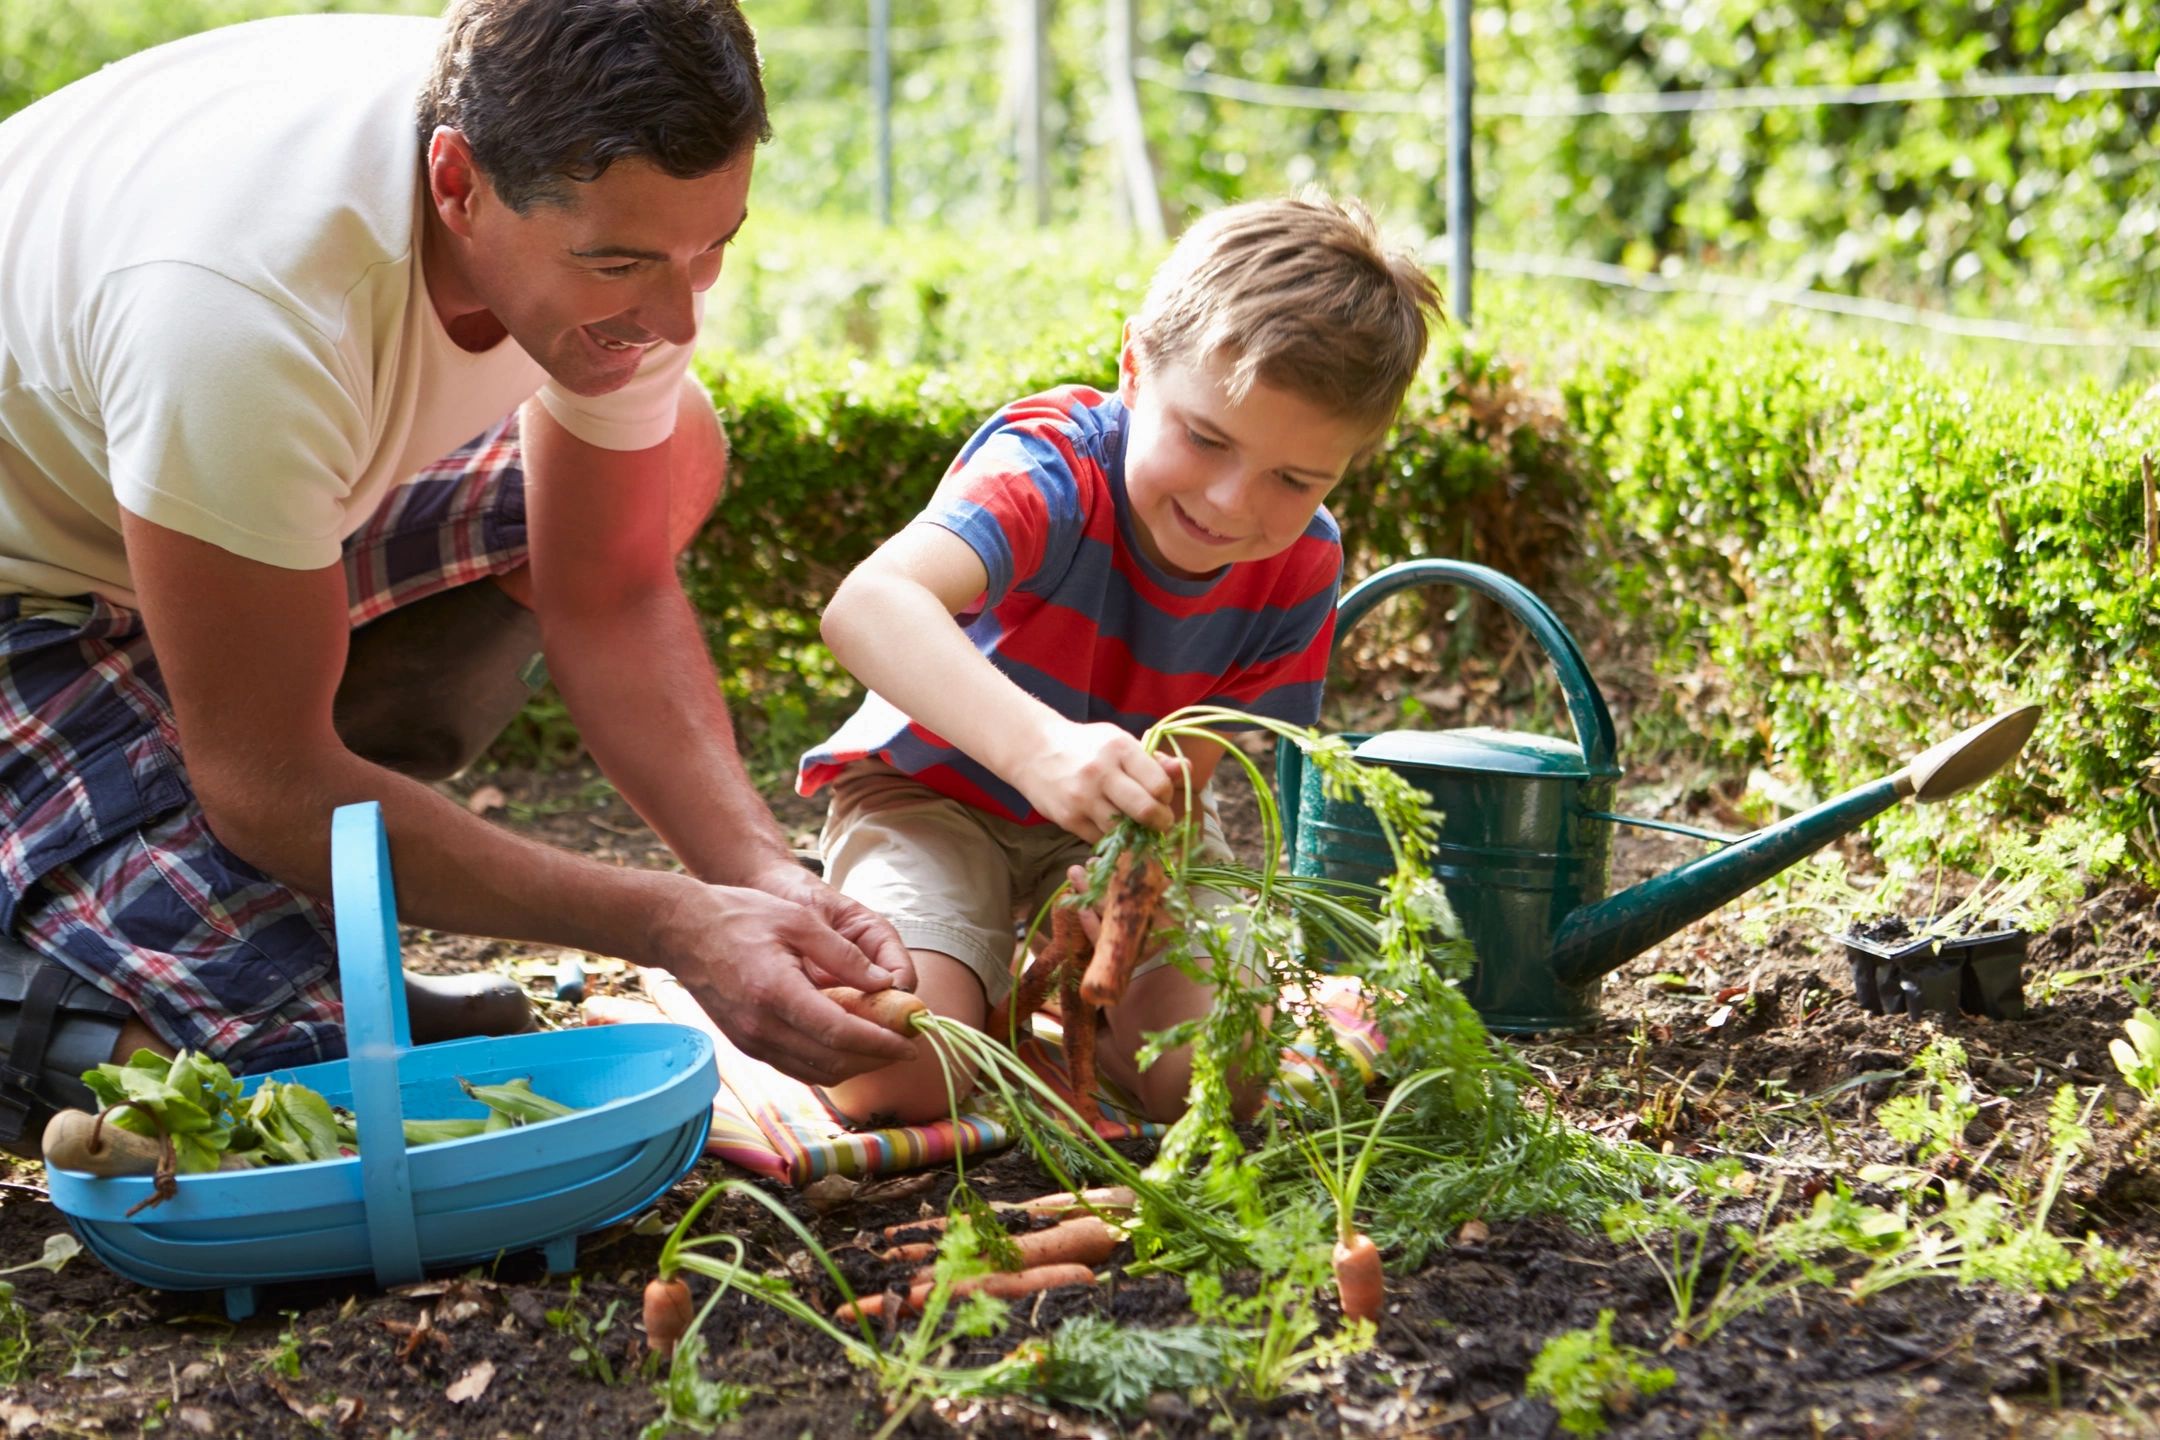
column 1740, row 1037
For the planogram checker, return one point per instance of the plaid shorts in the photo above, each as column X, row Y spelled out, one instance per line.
column 106, row 862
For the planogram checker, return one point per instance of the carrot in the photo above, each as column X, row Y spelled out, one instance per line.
column 1357, row 1277
column 1080, row 1021
column 1063, row 1205
column 1128, row 914
column 894, row 1009
column 667, row 1315
column 1083, row 1241
column 1063, row 949
column 1004, row 1284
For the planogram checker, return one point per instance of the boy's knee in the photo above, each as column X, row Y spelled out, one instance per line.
column 902, row 1094
column 699, row 474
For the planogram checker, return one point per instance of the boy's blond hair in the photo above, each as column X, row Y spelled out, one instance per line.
column 1300, row 294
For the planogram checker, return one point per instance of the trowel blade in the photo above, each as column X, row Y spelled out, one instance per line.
column 1971, row 756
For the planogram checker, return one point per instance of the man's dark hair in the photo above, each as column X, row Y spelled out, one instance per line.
column 552, row 92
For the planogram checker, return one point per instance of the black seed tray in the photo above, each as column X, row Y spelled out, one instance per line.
column 1970, row 974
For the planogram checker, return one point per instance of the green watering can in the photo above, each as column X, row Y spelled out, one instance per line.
column 1525, row 846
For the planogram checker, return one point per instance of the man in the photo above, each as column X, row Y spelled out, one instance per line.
column 256, row 286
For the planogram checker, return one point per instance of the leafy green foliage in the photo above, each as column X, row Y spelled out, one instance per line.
column 1585, row 1373
column 1096, row 1364
column 195, row 1102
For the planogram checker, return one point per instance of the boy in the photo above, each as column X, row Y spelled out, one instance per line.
column 1089, row 564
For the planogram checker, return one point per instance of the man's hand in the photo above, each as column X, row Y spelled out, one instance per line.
column 755, row 962
column 870, row 933
column 1086, row 776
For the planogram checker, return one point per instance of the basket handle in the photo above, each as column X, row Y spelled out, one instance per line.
column 377, row 1032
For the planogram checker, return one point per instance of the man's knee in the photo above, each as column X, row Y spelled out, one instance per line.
column 699, row 467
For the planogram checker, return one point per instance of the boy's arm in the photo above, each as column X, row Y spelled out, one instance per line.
column 891, row 624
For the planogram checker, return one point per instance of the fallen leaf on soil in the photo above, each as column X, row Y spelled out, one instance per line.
column 19, row 1418
column 830, row 1193
column 472, row 1384
column 1473, row 1232
column 486, row 798
column 198, row 1420
column 348, row 1411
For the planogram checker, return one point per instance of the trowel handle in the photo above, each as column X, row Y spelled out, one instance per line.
column 1585, row 702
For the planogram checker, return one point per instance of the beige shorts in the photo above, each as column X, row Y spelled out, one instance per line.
column 952, row 878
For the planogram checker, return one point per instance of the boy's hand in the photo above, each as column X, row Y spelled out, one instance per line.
column 1086, row 776
column 755, row 961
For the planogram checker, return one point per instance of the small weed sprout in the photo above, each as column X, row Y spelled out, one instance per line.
column 1933, row 1120
column 688, row 1400
column 585, row 1335
column 285, row 1359
column 1584, row 1373
column 18, row 1348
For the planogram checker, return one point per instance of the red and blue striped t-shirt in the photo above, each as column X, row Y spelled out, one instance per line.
column 1077, row 616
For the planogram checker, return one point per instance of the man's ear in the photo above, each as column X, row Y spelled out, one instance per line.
column 454, row 179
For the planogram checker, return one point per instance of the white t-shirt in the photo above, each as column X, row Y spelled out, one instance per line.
column 212, row 312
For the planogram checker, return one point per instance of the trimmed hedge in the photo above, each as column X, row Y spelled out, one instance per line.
column 1868, row 551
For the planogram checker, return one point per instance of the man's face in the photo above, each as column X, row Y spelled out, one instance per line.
column 1212, row 480
column 588, row 287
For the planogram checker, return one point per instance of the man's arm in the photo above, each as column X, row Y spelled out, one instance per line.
column 251, row 655
column 626, row 650
column 891, row 624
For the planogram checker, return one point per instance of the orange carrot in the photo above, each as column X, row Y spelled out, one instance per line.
column 667, row 1315
column 1063, row 1205
column 1063, row 950
column 1357, row 1277
column 1128, row 914
column 1084, row 1241
column 894, row 1009
column 1005, row 1284
column 1080, row 1020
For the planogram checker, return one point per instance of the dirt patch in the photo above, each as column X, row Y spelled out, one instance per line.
column 1720, row 1042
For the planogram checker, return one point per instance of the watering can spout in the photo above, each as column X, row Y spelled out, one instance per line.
column 1600, row 937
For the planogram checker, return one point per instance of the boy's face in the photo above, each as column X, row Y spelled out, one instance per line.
column 1212, row 480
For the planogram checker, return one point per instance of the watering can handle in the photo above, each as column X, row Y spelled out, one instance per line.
column 377, row 1032
column 1585, row 702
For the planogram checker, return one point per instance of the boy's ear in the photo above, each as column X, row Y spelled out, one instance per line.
column 1128, row 365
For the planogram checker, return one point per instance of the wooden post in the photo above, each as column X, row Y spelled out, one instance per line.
column 1032, row 76
column 1461, row 205
column 1135, row 167
column 2152, row 515
column 881, row 102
